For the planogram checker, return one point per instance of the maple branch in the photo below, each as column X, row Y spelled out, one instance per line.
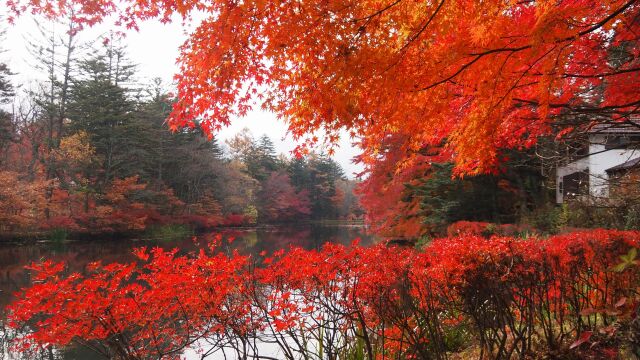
column 478, row 56
column 602, row 75
column 369, row 17
column 414, row 37
column 581, row 109
column 461, row 69
column 607, row 19
column 522, row 75
column 502, row 66
column 424, row 27
column 505, row 49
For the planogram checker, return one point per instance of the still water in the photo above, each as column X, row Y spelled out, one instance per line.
column 77, row 254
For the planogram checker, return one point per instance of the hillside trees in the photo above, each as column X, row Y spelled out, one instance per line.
column 278, row 200
column 6, row 92
column 301, row 187
column 103, row 109
column 476, row 78
column 115, row 167
column 56, row 54
column 506, row 197
column 6, row 134
column 323, row 176
column 22, row 202
column 423, row 196
column 6, row 88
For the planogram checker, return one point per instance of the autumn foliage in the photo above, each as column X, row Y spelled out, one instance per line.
column 513, row 297
column 416, row 83
column 482, row 75
column 401, row 77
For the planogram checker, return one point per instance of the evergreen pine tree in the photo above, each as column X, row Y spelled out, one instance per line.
column 103, row 109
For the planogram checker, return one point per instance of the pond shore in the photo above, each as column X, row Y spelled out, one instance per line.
column 156, row 232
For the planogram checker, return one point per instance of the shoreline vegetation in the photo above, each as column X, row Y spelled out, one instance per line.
column 93, row 156
column 570, row 296
column 162, row 232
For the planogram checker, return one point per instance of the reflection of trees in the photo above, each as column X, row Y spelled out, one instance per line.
column 284, row 238
column 271, row 239
column 14, row 258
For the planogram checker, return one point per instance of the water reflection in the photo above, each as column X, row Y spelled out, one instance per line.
column 15, row 256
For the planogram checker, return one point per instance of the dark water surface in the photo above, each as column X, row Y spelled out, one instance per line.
column 15, row 256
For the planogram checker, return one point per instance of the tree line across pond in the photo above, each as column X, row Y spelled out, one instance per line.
column 88, row 150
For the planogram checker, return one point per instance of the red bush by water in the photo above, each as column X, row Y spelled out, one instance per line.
column 511, row 297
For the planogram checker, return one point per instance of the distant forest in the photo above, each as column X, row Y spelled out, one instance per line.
column 87, row 150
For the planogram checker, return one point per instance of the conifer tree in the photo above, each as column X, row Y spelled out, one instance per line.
column 103, row 109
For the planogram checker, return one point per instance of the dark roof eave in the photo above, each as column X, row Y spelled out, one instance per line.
column 631, row 164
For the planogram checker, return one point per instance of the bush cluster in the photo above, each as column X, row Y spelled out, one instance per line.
column 569, row 296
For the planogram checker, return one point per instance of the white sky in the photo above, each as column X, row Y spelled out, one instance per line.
column 155, row 48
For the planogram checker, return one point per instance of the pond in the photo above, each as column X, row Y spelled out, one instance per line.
column 77, row 254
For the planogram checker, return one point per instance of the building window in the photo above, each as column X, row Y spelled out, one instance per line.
column 575, row 184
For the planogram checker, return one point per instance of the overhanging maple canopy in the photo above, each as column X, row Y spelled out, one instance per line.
column 482, row 75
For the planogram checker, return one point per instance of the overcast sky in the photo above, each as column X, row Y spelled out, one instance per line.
column 155, row 48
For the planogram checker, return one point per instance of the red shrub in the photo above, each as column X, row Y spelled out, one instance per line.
column 464, row 227
column 509, row 293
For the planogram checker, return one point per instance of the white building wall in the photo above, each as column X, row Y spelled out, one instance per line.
column 596, row 165
column 601, row 160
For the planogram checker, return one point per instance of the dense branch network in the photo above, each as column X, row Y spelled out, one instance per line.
column 482, row 76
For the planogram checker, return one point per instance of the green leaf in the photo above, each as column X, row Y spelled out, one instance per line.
column 627, row 260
